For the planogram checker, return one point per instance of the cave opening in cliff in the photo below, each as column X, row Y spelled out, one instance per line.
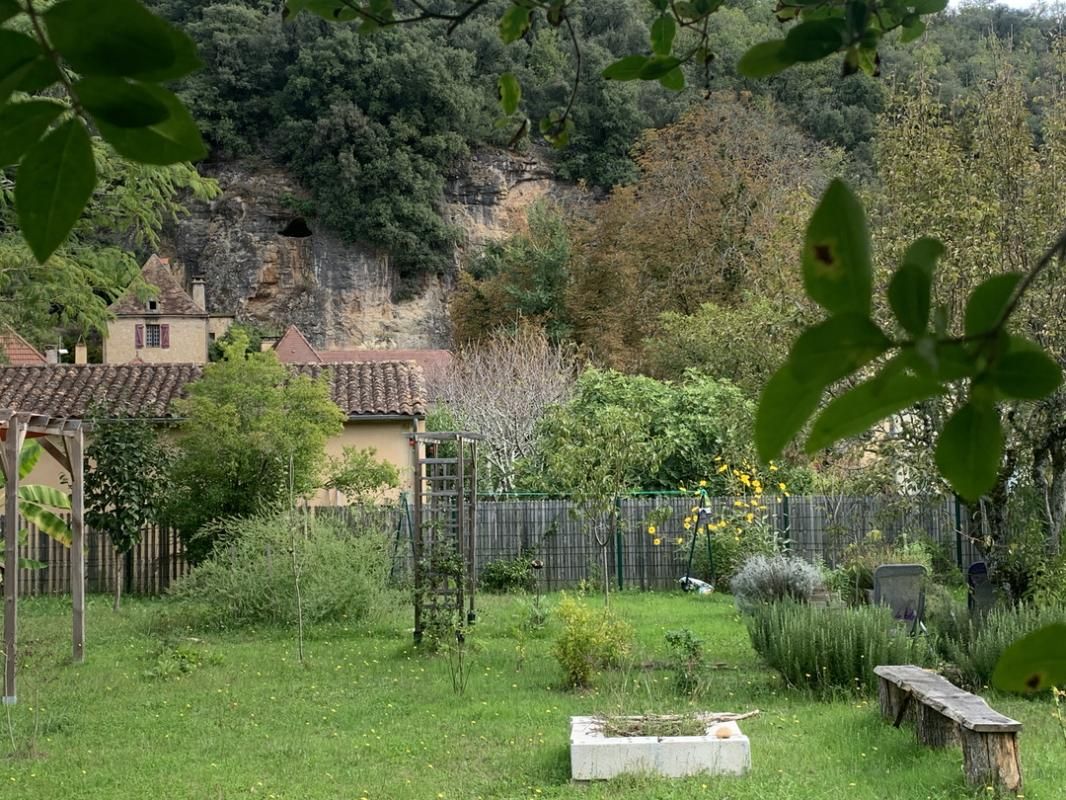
column 296, row 229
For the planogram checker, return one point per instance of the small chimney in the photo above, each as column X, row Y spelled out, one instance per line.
column 51, row 355
column 199, row 293
column 81, row 354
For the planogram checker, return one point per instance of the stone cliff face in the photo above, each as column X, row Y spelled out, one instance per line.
column 262, row 260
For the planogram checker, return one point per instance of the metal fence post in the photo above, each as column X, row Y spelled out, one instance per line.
column 619, row 562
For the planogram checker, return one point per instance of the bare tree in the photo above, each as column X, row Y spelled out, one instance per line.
column 501, row 388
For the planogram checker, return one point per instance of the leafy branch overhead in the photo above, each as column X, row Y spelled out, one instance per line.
column 929, row 355
column 108, row 61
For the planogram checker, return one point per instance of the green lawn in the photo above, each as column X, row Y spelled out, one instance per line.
column 366, row 716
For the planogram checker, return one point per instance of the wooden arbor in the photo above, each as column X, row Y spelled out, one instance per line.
column 64, row 440
column 444, row 539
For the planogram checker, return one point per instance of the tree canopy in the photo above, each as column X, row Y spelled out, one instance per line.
column 253, row 434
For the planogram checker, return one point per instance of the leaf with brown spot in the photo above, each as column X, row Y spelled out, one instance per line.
column 837, row 269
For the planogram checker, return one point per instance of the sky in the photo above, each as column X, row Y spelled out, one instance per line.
column 1011, row 3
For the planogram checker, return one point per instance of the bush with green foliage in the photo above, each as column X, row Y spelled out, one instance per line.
column 684, row 425
column 125, row 485
column 247, row 420
column 831, row 650
column 974, row 644
column 771, row 579
column 248, row 580
column 591, row 640
column 686, row 661
column 509, row 575
column 359, row 476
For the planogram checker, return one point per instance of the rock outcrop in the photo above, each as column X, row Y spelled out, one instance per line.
column 263, row 260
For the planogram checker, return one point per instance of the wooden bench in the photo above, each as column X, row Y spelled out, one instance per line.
column 944, row 714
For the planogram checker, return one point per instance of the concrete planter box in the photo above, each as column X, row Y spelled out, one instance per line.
column 594, row 756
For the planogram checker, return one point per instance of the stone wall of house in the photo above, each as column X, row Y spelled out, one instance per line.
column 263, row 261
column 188, row 341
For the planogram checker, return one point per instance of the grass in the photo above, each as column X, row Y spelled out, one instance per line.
column 161, row 712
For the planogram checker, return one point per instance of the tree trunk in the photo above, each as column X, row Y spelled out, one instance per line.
column 120, row 559
column 606, row 577
column 933, row 729
column 1054, row 482
column 991, row 759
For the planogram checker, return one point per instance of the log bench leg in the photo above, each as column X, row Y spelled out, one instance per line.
column 991, row 759
column 933, row 729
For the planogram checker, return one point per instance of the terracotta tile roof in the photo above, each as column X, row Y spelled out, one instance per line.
column 172, row 299
column 428, row 360
column 70, row 391
column 374, row 387
column 16, row 350
column 67, row 390
column 293, row 348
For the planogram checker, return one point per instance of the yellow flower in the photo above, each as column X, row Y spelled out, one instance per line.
column 782, row 486
column 656, row 541
column 702, row 484
column 679, row 540
column 773, row 467
column 739, row 503
column 687, row 525
column 749, row 517
column 651, row 529
column 723, row 468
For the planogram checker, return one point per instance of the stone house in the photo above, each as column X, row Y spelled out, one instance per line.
column 169, row 326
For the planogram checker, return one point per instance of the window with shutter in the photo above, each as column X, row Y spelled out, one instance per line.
column 164, row 336
column 138, row 336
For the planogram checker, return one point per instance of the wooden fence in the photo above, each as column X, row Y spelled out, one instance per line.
column 814, row 527
column 150, row 567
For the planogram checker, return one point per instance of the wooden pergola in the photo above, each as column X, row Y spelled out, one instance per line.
column 64, row 440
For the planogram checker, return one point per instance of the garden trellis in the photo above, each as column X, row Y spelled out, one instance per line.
column 64, row 440
column 445, row 530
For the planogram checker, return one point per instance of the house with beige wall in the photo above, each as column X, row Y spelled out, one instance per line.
column 163, row 324
column 383, row 403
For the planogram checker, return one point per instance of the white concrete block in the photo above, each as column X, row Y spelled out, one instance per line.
column 594, row 756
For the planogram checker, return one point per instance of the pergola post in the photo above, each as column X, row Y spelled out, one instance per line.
column 76, row 464
column 13, row 439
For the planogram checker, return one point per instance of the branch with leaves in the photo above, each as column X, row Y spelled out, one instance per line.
column 924, row 359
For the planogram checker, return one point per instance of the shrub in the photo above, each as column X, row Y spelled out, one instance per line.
column 831, row 650
column 248, row 579
column 509, row 575
column 1048, row 587
column 591, row 640
column 686, row 661
column 769, row 579
column 975, row 645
